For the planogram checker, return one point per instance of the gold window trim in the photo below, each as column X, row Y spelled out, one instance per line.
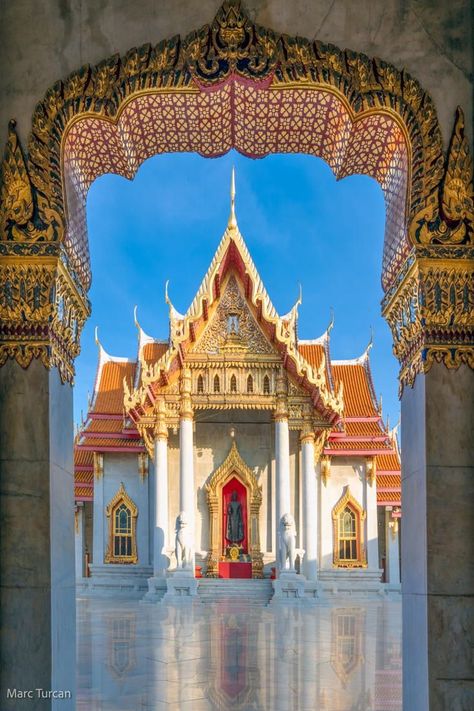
column 361, row 561
column 121, row 497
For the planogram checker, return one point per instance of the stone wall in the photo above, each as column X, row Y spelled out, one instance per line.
column 42, row 42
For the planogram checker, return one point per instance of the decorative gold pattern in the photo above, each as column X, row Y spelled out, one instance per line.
column 270, row 93
column 121, row 497
column 216, row 338
column 348, row 500
column 142, row 465
column 447, row 217
column 233, row 465
column 325, row 469
column 432, row 316
column 371, row 470
column 98, row 463
column 231, row 47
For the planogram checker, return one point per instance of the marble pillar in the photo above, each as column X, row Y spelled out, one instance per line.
column 186, row 476
column 438, row 531
column 372, row 540
column 98, row 511
column 79, row 539
column 326, row 549
column 392, row 551
column 310, row 504
column 282, row 467
column 38, row 634
column 160, row 558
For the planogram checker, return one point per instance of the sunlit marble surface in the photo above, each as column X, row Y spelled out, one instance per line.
column 338, row 656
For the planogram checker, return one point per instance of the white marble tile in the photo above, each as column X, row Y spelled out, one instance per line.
column 341, row 656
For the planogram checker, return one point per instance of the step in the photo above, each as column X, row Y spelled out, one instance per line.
column 252, row 592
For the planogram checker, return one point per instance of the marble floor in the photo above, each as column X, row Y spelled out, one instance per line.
column 338, row 656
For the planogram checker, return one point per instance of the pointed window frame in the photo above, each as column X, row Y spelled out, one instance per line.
column 353, row 542
column 121, row 502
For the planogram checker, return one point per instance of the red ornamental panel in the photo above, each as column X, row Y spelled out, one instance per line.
column 256, row 121
column 234, row 485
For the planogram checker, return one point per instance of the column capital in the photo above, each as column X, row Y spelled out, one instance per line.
column 307, row 435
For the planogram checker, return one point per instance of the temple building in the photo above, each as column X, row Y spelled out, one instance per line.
column 235, row 449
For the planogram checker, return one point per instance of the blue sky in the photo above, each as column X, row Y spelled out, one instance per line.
column 300, row 225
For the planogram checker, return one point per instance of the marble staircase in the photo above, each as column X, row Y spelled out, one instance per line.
column 244, row 592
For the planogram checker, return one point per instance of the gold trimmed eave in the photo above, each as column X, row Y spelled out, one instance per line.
column 233, row 258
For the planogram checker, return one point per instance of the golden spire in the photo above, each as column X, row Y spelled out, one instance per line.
column 232, row 219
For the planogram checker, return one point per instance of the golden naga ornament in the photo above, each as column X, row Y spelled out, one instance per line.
column 16, row 197
column 448, row 214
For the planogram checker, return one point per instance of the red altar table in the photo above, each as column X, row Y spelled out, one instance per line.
column 227, row 569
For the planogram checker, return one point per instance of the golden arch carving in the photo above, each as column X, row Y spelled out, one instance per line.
column 233, row 465
column 348, row 500
column 121, row 497
column 428, row 256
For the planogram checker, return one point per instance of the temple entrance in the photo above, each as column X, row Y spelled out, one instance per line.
column 236, row 562
column 48, row 244
column 234, row 499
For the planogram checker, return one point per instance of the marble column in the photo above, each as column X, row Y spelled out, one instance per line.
column 79, row 540
column 160, row 558
column 98, row 511
column 37, row 593
column 437, row 539
column 282, row 468
column 372, row 541
column 392, row 551
column 186, row 470
column 326, row 546
column 310, row 503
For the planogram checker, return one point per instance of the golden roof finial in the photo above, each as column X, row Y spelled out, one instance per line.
column 232, row 219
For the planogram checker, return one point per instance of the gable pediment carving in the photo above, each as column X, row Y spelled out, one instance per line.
column 233, row 328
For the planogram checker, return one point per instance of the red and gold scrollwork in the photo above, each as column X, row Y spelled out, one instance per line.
column 44, row 249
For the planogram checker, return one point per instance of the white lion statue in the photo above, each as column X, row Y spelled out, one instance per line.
column 183, row 548
column 287, row 547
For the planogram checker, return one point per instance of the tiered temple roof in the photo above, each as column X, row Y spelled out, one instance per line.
column 342, row 390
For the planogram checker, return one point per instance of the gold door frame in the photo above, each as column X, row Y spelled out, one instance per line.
column 233, row 465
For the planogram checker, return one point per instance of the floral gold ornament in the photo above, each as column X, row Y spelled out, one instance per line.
column 256, row 71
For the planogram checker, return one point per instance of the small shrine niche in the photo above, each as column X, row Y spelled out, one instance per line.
column 233, row 324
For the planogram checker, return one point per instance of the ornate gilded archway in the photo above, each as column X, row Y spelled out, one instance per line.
column 233, row 466
column 236, row 84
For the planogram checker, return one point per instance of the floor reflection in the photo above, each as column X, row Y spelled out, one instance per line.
column 332, row 657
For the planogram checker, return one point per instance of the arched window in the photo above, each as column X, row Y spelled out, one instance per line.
column 200, row 384
column 250, row 384
column 266, row 385
column 348, row 517
column 217, row 384
column 122, row 514
column 122, row 533
column 347, row 535
column 233, row 384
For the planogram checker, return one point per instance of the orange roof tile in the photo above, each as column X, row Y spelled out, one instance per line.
column 82, row 458
column 364, row 429
column 356, row 444
column 388, row 462
column 98, row 442
column 108, row 425
column 389, row 481
column 389, row 497
column 109, row 394
column 84, row 477
column 358, row 400
column 83, row 492
column 313, row 353
column 153, row 351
